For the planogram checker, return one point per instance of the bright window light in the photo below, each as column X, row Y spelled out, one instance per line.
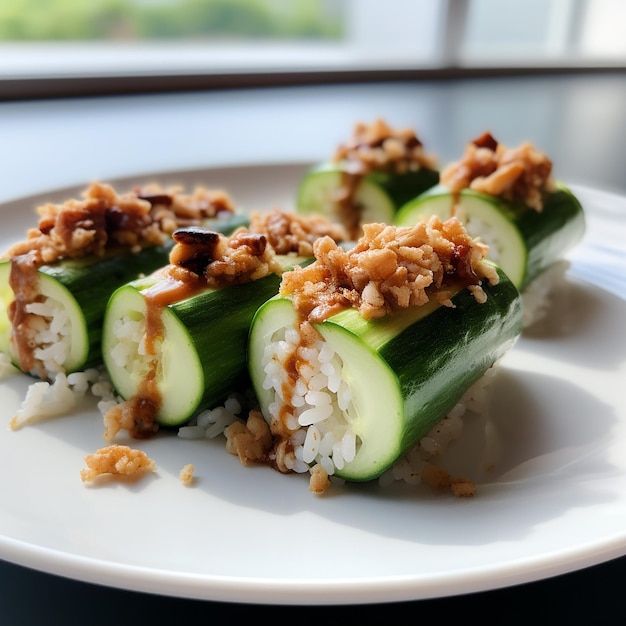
column 96, row 38
column 604, row 32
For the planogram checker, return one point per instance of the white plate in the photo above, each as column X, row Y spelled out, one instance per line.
column 554, row 500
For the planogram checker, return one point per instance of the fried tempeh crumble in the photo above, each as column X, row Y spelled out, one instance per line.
column 390, row 268
column 522, row 174
column 103, row 219
column 117, row 461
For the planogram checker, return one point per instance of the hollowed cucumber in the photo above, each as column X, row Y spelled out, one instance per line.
column 202, row 350
column 522, row 241
column 405, row 371
column 82, row 287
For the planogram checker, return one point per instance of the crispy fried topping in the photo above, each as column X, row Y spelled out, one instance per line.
column 186, row 474
column 520, row 174
column 289, row 232
column 117, row 461
column 319, row 481
column 136, row 415
column 379, row 147
column 220, row 260
column 251, row 441
column 247, row 254
column 440, row 479
column 185, row 209
column 463, row 487
column 390, row 268
column 104, row 219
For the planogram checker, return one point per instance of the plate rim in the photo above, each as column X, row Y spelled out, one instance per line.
column 190, row 585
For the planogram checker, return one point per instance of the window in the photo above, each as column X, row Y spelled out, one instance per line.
column 200, row 42
column 562, row 32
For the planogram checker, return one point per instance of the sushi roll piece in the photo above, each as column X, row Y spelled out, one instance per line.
column 174, row 342
column 363, row 351
column 369, row 177
column 55, row 284
column 508, row 197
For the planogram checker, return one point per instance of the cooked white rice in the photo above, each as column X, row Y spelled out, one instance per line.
column 322, row 402
column 49, row 329
column 212, row 423
column 130, row 333
column 46, row 400
column 536, row 297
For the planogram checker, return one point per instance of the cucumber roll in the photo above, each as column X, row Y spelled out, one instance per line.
column 510, row 199
column 174, row 342
column 55, row 284
column 362, row 352
column 369, row 177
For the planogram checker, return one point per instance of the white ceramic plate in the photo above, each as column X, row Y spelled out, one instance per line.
column 553, row 501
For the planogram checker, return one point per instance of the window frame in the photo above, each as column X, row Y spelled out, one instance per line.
column 334, row 63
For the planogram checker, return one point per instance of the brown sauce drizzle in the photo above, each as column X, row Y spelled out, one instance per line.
column 24, row 281
column 293, row 366
column 349, row 211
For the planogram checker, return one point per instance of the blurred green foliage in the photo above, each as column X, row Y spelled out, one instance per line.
column 59, row 20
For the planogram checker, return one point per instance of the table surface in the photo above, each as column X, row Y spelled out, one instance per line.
column 578, row 120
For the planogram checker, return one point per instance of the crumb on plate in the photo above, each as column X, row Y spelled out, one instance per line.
column 117, row 460
column 186, row 474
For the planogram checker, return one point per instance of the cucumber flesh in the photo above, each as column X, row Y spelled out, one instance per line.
column 63, row 342
column 77, row 339
column 402, row 188
column 386, row 398
column 6, row 297
column 179, row 370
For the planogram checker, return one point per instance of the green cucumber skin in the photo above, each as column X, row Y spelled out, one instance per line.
column 461, row 344
column 218, row 321
column 227, row 225
column 551, row 233
column 547, row 235
column 91, row 282
column 402, row 188
column 440, row 356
